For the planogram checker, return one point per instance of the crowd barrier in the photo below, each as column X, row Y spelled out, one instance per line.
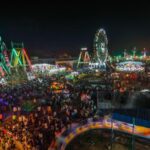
column 131, row 120
column 65, row 138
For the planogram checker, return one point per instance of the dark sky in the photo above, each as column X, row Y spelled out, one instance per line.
column 58, row 27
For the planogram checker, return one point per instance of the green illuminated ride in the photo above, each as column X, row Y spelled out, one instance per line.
column 20, row 63
column 19, row 60
column 4, row 59
column 19, row 57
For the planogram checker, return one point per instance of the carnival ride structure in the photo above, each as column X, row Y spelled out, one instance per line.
column 16, row 67
column 100, row 55
column 84, row 57
column 132, row 55
column 107, row 123
column 19, row 56
column 100, row 46
column 130, row 66
column 14, row 63
column 101, row 60
column 4, row 59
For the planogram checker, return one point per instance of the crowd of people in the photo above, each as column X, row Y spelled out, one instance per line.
column 6, row 141
column 51, row 111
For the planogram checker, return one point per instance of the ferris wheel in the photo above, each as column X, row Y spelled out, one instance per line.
column 101, row 46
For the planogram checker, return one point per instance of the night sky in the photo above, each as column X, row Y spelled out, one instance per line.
column 49, row 28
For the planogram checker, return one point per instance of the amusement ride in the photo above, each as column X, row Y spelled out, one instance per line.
column 100, row 52
column 101, row 48
column 4, row 59
column 18, row 58
column 101, row 60
column 16, row 64
column 84, row 57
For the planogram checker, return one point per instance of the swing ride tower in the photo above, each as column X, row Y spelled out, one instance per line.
column 20, row 63
column 84, row 57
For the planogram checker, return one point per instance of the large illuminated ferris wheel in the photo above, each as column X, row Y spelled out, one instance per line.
column 101, row 46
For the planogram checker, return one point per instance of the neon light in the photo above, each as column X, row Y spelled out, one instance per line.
column 27, row 57
column 130, row 66
column 19, row 56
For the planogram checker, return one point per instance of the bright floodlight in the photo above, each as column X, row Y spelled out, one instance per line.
column 84, row 48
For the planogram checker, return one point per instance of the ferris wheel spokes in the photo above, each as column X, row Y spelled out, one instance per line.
column 101, row 48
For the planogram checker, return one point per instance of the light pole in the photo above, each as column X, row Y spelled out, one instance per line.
column 97, row 97
column 112, row 133
column 133, row 133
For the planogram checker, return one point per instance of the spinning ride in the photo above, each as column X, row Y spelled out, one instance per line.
column 130, row 66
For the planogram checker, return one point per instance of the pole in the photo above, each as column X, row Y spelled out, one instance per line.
column 97, row 97
column 133, row 133
column 112, row 133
